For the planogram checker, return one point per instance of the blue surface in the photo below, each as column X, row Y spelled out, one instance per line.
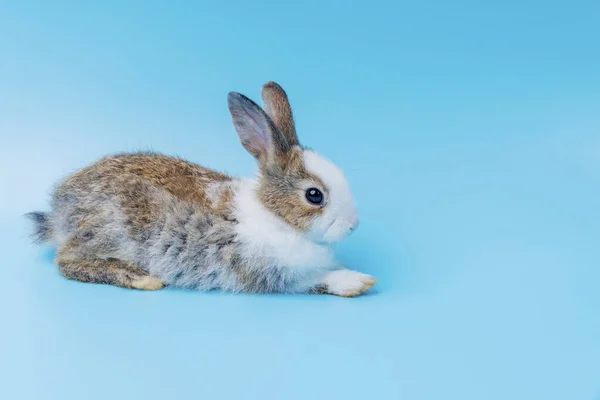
column 470, row 134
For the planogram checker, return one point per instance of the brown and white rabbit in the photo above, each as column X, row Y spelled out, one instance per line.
column 145, row 220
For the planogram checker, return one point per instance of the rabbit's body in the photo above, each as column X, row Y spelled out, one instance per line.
column 143, row 220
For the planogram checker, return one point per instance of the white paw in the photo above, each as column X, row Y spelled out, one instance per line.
column 347, row 283
column 147, row 283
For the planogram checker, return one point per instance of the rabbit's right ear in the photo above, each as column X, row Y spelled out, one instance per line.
column 256, row 130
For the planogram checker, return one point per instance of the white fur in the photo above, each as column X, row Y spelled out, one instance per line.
column 340, row 216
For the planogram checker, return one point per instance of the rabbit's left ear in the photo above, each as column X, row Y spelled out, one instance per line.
column 256, row 131
column 277, row 106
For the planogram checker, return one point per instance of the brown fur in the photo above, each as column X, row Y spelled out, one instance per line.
column 103, row 271
column 283, row 186
column 223, row 205
column 185, row 180
column 130, row 173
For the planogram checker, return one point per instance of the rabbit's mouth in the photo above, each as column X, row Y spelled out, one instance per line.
column 336, row 231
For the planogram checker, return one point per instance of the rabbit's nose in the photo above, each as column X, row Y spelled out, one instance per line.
column 354, row 226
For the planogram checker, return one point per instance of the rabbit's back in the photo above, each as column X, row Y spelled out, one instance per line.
column 185, row 180
column 138, row 184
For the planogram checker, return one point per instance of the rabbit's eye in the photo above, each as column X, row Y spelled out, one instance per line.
column 314, row 196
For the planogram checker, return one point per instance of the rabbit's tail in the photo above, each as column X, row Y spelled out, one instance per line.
column 42, row 232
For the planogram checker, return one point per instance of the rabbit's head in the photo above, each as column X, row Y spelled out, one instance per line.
column 303, row 188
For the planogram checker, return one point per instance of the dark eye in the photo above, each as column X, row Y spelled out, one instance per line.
column 314, row 196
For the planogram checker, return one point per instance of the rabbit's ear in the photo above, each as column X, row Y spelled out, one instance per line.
column 278, row 108
column 256, row 130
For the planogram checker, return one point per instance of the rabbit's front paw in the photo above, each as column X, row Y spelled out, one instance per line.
column 347, row 283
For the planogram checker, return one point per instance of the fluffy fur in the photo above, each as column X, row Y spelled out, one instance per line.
column 145, row 220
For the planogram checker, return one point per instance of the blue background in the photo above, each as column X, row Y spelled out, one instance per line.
column 470, row 134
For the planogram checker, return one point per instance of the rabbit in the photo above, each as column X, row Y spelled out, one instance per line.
column 146, row 220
